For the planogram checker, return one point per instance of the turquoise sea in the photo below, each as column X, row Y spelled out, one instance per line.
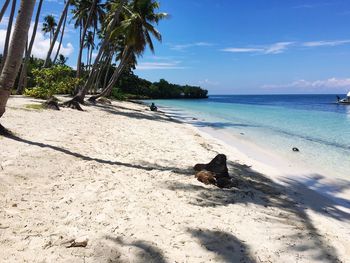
column 315, row 124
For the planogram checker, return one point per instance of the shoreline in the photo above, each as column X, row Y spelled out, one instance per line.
column 267, row 162
column 120, row 177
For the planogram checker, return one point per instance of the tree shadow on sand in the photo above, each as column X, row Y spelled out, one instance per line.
column 144, row 165
column 257, row 189
column 227, row 247
column 139, row 250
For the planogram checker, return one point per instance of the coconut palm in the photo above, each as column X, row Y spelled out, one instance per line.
column 136, row 30
column 61, row 60
column 15, row 52
column 87, row 13
column 61, row 38
column 89, row 43
column 49, row 25
column 55, row 36
column 8, row 33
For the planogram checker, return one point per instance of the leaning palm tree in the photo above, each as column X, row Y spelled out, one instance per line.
column 87, row 14
column 136, row 30
column 23, row 76
column 55, row 36
column 61, row 38
column 8, row 33
column 15, row 52
column 89, row 43
column 49, row 25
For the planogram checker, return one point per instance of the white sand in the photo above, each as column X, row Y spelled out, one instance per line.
column 120, row 177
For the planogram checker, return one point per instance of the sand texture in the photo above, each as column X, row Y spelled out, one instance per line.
column 117, row 182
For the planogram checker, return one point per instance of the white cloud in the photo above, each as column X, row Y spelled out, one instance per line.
column 323, row 43
column 275, row 48
column 190, row 45
column 41, row 44
column 317, row 84
column 159, row 65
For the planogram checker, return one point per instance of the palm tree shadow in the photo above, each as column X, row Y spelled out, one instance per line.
column 144, row 166
column 227, row 247
column 255, row 188
column 145, row 252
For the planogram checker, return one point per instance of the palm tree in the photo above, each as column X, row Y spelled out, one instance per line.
column 89, row 43
column 87, row 14
column 60, row 22
column 61, row 60
column 15, row 52
column 23, row 76
column 3, row 9
column 8, row 33
column 49, row 26
column 61, row 38
column 136, row 30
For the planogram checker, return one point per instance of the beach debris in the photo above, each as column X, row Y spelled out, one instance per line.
column 51, row 103
column 76, row 242
column 206, row 177
column 214, row 172
column 295, row 149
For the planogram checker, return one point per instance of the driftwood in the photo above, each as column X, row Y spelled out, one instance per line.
column 73, row 104
column 215, row 172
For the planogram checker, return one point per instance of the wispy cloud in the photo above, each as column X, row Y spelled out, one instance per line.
column 160, row 65
column 281, row 47
column 316, row 84
column 275, row 48
column 182, row 47
column 323, row 43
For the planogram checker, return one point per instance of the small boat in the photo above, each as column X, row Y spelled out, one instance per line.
column 345, row 100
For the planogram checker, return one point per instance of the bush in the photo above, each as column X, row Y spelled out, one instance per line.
column 117, row 94
column 50, row 81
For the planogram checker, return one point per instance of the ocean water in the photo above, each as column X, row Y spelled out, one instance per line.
column 315, row 124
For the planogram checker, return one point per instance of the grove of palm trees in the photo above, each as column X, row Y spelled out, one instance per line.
column 118, row 32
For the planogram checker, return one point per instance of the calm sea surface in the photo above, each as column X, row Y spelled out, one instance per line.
column 313, row 123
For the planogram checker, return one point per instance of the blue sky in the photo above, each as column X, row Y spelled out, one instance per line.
column 245, row 47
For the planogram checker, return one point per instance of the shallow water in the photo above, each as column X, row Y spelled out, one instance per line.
column 314, row 124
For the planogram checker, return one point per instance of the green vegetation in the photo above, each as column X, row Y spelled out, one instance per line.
column 34, row 106
column 134, row 87
column 51, row 81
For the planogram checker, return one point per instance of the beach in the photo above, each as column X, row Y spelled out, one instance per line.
column 118, row 178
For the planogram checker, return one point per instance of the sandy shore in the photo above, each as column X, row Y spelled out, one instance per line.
column 120, row 178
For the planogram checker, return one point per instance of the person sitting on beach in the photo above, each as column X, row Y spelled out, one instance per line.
column 153, row 107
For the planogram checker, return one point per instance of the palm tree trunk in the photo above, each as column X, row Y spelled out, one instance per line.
column 87, row 57
column 93, row 5
column 80, row 94
column 58, row 29
column 3, row 9
column 8, row 33
column 92, row 48
column 61, row 39
column 107, row 73
column 116, row 74
column 23, row 76
column 15, row 52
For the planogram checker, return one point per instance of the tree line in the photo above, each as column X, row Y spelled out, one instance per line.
column 118, row 30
